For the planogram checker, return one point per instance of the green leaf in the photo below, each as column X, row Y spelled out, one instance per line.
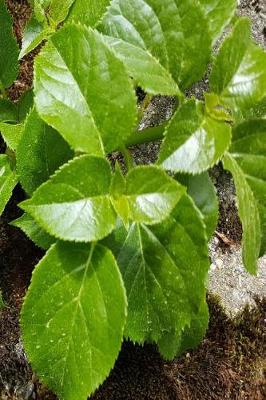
column 239, row 73
column 117, row 190
column 88, row 12
column 76, row 61
column 73, row 317
column 75, row 203
column 11, row 134
column 219, row 13
column 34, row 33
column 33, row 231
column 7, row 111
column 249, row 151
column 194, row 334
column 8, row 49
column 202, row 191
column 194, row 141
column 144, row 68
column 8, row 181
column 151, row 194
column 164, row 286
column 52, row 11
column 164, row 29
column 2, row 304
column 248, row 213
column 41, row 151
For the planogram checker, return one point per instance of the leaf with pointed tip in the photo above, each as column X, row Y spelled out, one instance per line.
column 248, row 213
column 75, row 203
column 88, row 12
column 33, row 35
column 73, row 317
column 8, row 49
column 239, row 73
column 219, row 13
column 52, row 11
column 249, row 150
column 164, row 29
column 202, row 191
column 144, row 68
column 11, row 134
column 95, row 111
column 193, row 142
column 151, row 194
column 164, row 286
column 8, row 181
column 33, row 231
column 41, row 151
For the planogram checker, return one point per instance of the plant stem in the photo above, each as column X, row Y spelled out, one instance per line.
column 128, row 158
column 147, row 135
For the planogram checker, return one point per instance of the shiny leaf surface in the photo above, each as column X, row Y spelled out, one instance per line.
column 75, row 204
column 8, row 181
column 94, row 112
column 164, row 29
column 193, row 142
column 73, row 317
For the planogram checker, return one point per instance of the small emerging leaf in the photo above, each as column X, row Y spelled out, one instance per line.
column 88, row 12
column 34, row 33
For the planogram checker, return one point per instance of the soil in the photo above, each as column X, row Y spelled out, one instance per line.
column 229, row 364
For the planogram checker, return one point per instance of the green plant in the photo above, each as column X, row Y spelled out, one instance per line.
column 127, row 254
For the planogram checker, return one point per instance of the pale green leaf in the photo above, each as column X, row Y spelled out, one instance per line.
column 164, row 29
column 194, row 141
column 34, row 33
column 219, row 13
column 164, row 286
column 202, row 191
column 8, row 49
column 239, row 73
column 11, row 134
column 33, row 231
column 147, row 72
column 73, row 317
column 52, row 12
column 248, row 213
column 88, row 12
column 75, row 203
column 249, row 150
column 8, row 181
column 95, row 112
column 151, row 194
column 41, row 151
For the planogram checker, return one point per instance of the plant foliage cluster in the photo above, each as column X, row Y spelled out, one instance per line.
column 127, row 253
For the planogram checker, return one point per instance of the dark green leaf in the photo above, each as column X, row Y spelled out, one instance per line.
column 73, row 317
column 75, row 203
column 41, row 151
column 95, row 111
column 33, row 231
column 164, row 29
column 248, row 213
column 202, row 191
column 164, row 286
column 8, row 49
column 249, row 150
column 194, row 141
column 8, row 111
